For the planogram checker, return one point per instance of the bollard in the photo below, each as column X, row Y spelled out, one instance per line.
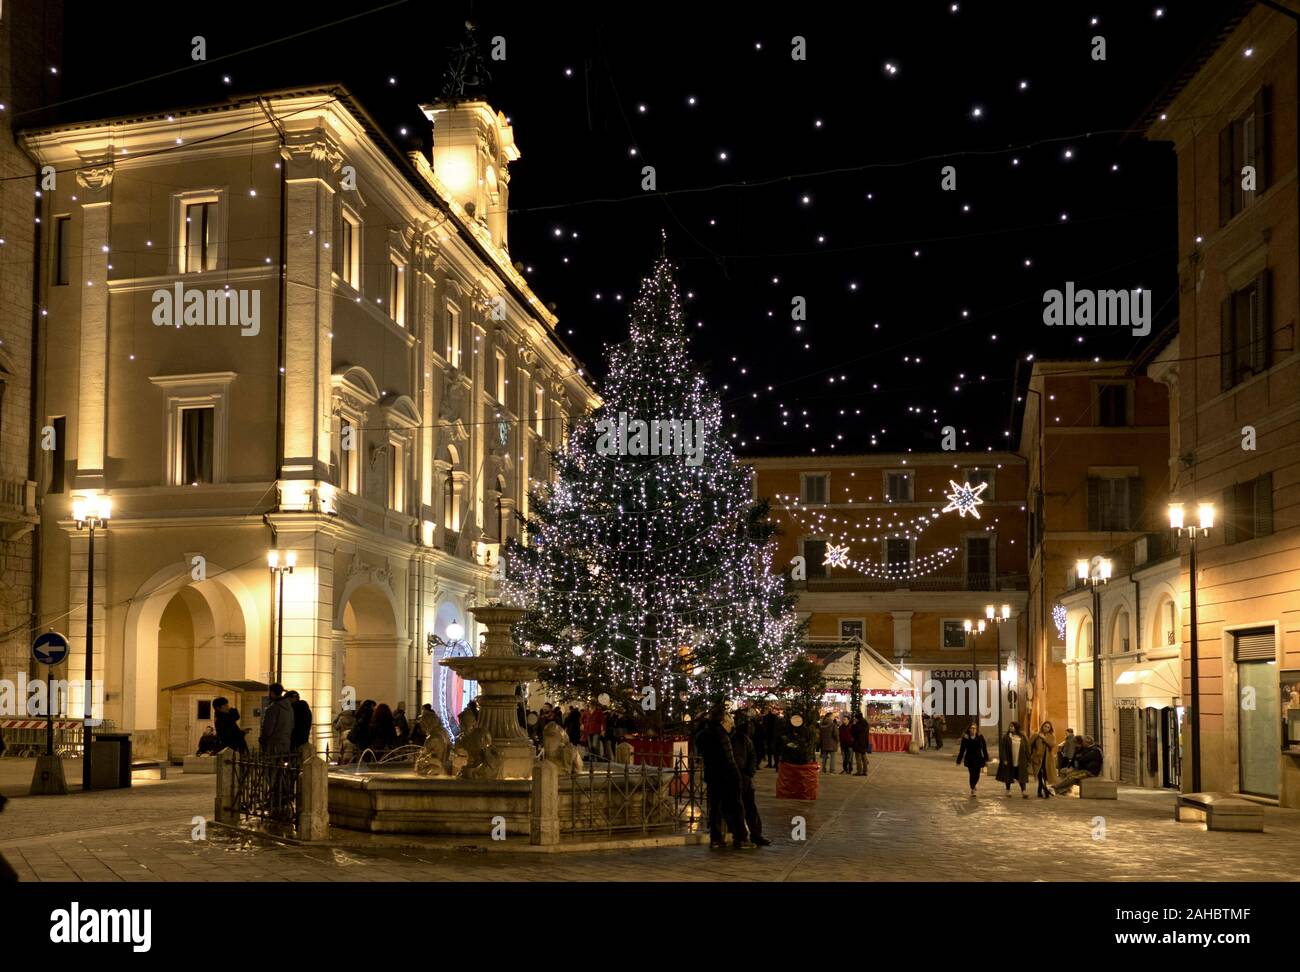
column 223, row 808
column 544, row 816
column 314, row 800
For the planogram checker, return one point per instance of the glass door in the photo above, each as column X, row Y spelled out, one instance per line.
column 1258, row 736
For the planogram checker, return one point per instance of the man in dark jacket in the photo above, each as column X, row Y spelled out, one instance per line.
column 301, row 721
column 742, row 748
column 722, row 781
column 227, row 720
column 1087, row 762
column 277, row 723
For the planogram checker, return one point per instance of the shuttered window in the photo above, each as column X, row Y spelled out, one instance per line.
column 1248, row 510
column 1114, row 504
column 1246, row 332
column 1256, row 645
column 815, row 488
column 1245, row 141
column 814, row 552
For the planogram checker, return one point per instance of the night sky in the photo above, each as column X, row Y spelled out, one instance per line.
column 776, row 178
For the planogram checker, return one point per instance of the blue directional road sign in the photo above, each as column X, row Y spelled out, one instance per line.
column 50, row 648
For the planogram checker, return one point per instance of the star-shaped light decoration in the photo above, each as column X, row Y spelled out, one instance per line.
column 964, row 498
column 836, row 556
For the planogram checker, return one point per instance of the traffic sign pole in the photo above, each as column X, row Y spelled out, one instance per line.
column 49, row 649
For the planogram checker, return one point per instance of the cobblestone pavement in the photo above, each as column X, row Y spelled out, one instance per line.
column 911, row 819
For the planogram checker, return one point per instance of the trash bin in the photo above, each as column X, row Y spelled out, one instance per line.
column 110, row 761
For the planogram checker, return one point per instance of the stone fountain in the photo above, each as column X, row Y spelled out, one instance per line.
column 499, row 670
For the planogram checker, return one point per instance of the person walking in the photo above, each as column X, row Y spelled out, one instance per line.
column 974, row 753
column 1042, row 759
column 277, row 723
column 861, row 731
column 747, row 762
column 722, row 781
column 1013, row 759
column 830, row 741
column 927, row 729
column 938, row 724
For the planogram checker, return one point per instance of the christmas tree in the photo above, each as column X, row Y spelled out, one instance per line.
column 647, row 573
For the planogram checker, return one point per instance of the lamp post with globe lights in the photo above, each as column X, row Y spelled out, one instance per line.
column 995, row 618
column 90, row 513
column 1095, row 578
column 280, row 567
column 1177, row 523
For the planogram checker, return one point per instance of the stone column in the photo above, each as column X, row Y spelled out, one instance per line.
column 544, row 818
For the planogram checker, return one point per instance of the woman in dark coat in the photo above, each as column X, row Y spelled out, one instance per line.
column 383, row 730
column 1013, row 759
column 573, row 725
column 974, row 753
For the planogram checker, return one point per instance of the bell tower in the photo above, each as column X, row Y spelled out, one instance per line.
column 473, row 146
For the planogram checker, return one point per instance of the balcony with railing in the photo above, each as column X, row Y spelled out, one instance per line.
column 930, row 582
column 17, row 507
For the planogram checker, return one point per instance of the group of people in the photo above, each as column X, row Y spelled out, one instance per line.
column 726, row 744
column 377, row 727
column 286, row 725
column 850, row 737
column 934, row 727
column 599, row 728
column 1039, row 756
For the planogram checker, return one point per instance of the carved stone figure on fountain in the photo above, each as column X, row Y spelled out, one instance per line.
column 557, row 749
column 473, row 751
column 435, row 758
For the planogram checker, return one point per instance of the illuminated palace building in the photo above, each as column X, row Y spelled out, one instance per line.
column 268, row 329
column 901, row 550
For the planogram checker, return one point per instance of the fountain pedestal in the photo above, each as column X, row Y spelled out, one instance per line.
column 499, row 670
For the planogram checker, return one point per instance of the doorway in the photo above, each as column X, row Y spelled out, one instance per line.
column 1258, row 732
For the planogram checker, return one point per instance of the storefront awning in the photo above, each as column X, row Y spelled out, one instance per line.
column 1154, row 684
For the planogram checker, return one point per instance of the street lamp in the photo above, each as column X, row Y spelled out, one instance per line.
column 1177, row 516
column 89, row 513
column 996, row 618
column 973, row 630
column 280, row 568
column 1096, row 579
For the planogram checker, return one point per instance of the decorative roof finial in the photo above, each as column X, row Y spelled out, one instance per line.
column 466, row 67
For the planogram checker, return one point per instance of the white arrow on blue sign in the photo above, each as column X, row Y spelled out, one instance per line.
column 50, row 648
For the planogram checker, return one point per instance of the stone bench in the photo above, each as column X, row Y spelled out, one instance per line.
column 1095, row 788
column 1220, row 811
column 198, row 764
column 148, row 769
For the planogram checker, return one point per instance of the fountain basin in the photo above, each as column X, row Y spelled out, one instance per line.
column 397, row 800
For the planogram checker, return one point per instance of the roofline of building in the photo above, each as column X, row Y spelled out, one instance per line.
column 340, row 93
column 883, row 459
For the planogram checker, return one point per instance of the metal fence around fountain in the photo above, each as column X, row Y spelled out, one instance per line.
column 267, row 787
column 666, row 795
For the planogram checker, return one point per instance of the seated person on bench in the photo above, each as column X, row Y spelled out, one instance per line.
column 1086, row 763
column 209, row 743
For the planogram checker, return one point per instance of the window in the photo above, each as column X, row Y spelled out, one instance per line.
column 198, row 235
column 349, row 465
column 195, row 427
column 1242, row 142
column 1169, row 624
column 1248, row 510
column 1036, row 523
column 979, row 564
column 453, row 336
column 196, row 445
column 1090, row 713
column 501, row 380
column 396, row 476
column 396, row 291
column 450, row 504
column 814, row 553
column 1246, row 332
column 974, row 477
column 898, row 554
column 852, row 629
column 898, row 487
column 815, row 488
column 58, row 455
column 954, row 634
column 62, row 250
column 1112, row 404
column 539, row 409
column 350, row 250
column 1114, row 503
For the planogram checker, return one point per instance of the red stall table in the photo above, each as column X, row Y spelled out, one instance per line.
column 890, row 742
column 656, row 752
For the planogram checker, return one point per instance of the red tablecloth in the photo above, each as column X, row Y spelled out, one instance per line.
column 890, row 742
column 656, row 752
